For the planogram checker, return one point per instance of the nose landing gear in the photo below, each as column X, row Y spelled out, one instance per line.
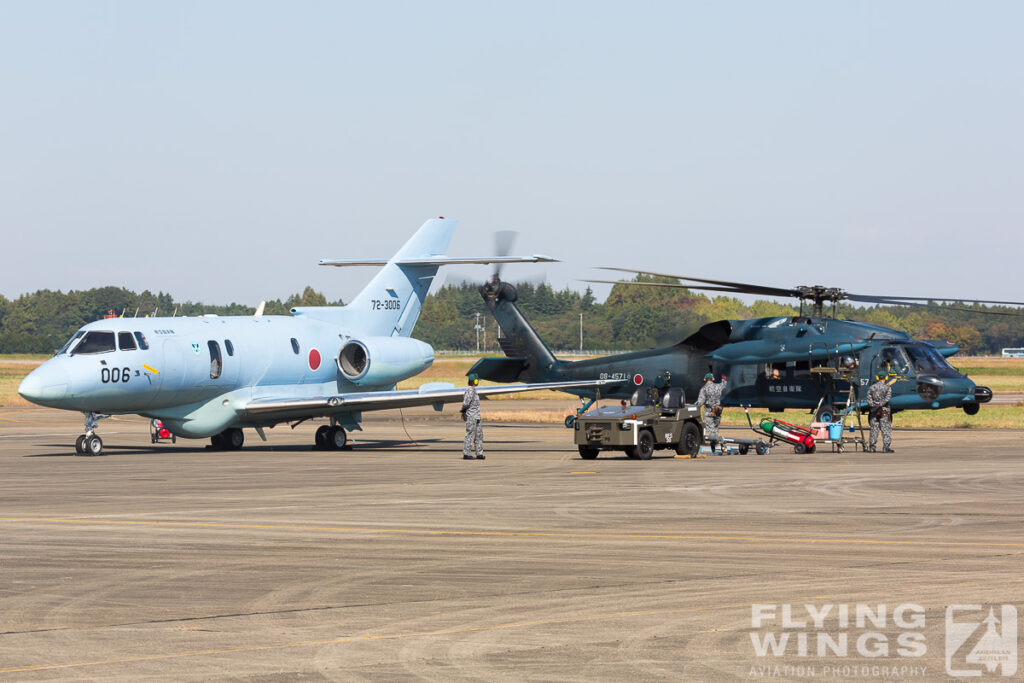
column 90, row 443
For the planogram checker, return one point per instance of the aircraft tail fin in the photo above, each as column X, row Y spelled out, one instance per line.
column 390, row 304
column 528, row 358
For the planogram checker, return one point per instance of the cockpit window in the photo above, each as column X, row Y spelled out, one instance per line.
column 929, row 361
column 78, row 335
column 125, row 341
column 95, row 342
column 143, row 344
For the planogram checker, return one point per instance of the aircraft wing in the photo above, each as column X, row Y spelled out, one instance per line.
column 435, row 394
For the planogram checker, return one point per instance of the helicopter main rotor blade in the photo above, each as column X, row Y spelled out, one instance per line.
column 737, row 287
column 896, row 302
column 671, row 285
column 871, row 298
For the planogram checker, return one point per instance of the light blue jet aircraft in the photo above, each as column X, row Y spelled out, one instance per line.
column 213, row 376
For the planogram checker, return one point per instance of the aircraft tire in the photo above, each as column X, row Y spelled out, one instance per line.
column 644, row 444
column 80, row 444
column 588, row 453
column 337, row 439
column 689, row 440
column 93, row 445
column 217, row 442
column 320, row 438
column 826, row 413
column 233, row 438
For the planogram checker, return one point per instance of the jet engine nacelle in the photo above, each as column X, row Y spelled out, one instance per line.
column 383, row 361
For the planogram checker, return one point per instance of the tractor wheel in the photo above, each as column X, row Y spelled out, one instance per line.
column 588, row 453
column 644, row 444
column 689, row 440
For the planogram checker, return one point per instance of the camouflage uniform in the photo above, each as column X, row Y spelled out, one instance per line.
column 880, row 417
column 474, row 431
column 710, row 397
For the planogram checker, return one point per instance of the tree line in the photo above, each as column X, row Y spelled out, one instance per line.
column 632, row 317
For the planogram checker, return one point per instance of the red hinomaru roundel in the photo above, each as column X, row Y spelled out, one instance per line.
column 314, row 359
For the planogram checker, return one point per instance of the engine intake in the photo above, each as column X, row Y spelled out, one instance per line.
column 383, row 361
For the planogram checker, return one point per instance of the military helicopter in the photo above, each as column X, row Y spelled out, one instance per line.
column 815, row 362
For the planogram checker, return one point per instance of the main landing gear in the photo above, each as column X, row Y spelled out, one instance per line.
column 332, row 438
column 228, row 440
column 90, row 443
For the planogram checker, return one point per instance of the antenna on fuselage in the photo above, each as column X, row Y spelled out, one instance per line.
column 259, row 310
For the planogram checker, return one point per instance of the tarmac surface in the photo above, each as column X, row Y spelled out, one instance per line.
column 400, row 561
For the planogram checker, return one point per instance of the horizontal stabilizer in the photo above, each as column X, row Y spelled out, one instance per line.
column 440, row 261
column 499, row 369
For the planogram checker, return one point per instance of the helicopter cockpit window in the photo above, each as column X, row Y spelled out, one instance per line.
column 63, row 349
column 775, row 370
column 95, row 342
column 929, row 361
column 215, row 359
column 894, row 360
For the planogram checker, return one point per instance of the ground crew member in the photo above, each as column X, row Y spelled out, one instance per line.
column 880, row 417
column 710, row 397
column 474, row 440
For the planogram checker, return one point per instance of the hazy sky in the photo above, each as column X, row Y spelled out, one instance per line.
column 217, row 150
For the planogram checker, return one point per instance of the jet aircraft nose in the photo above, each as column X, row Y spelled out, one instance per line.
column 45, row 386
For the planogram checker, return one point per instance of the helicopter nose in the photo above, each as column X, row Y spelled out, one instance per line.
column 45, row 386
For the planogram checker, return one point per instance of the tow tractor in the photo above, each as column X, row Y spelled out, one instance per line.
column 641, row 427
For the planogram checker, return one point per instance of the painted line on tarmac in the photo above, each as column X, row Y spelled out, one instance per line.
column 522, row 534
column 464, row 629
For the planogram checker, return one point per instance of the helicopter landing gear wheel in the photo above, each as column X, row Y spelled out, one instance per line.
column 826, row 413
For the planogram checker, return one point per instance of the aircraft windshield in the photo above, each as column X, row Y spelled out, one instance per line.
column 95, row 342
column 930, row 362
column 64, row 349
